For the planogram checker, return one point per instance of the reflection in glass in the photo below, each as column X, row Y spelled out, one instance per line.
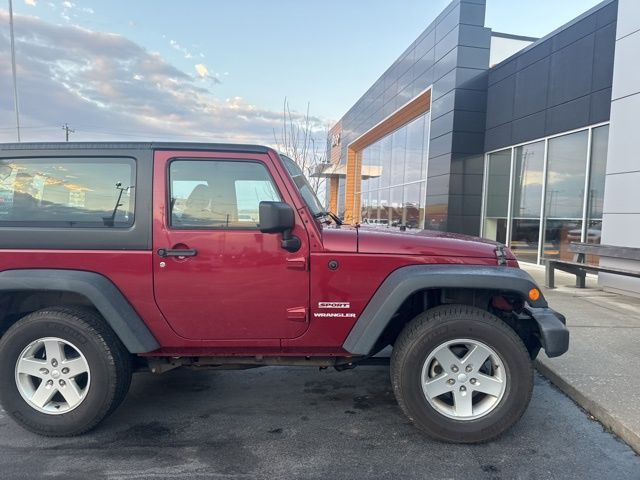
column 365, row 207
column 383, row 206
column 70, row 193
column 564, row 194
column 527, row 199
column 566, row 170
column 395, row 207
column 425, row 146
column 218, row 193
column 413, row 158
column 385, row 161
column 497, row 197
column 397, row 161
column 373, row 159
column 524, row 236
column 599, row 142
column 399, row 145
column 413, row 211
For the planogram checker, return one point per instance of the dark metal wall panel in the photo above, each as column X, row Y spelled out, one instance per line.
column 559, row 83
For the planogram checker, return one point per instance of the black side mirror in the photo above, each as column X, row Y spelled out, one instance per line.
column 278, row 217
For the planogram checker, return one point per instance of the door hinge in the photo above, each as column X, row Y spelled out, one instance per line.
column 297, row 263
column 297, row 314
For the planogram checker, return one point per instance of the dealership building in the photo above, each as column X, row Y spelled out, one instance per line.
column 531, row 142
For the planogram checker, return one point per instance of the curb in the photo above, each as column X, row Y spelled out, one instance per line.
column 599, row 411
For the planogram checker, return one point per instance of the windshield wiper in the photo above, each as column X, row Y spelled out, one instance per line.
column 331, row 215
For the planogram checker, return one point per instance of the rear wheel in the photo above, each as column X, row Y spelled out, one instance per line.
column 461, row 374
column 62, row 371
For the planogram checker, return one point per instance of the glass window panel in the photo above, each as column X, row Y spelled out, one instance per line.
column 524, row 239
column 527, row 199
column 399, row 145
column 218, row 194
column 374, row 181
column 599, row 143
column 527, row 185
column 425, row 145
column 497, row 196
column 395, row 206
column 413, row 159
column 365, row 207
column 385, row 161
column 374, row 214
column 363, row 157
column 413, row 205
column 383, row 206
column 396, row 159
column 566, row 170
column 67, row 192
column 498, row 172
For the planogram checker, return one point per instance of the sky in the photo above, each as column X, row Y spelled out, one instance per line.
column 197, row 70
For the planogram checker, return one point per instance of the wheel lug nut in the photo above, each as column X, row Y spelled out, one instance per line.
column 44, row 371
column 473, row 381
column 469, row 368
column 451, row 381
column 463, row 388
column 49, row 383
column 65, row 370
column 54, row 362
column 454, row 369
column 62, row 384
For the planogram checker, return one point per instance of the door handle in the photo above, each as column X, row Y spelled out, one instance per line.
column 177, row 252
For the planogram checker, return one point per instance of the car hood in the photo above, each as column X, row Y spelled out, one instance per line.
column 423, row 242
column 410, row 242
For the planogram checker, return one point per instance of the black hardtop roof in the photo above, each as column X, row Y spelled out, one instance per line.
column 219, row 147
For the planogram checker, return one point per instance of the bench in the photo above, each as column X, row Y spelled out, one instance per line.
column 579, row 267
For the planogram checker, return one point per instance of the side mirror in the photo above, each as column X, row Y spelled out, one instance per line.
column 278, row 217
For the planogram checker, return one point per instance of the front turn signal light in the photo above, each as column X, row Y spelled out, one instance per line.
column 534, row 294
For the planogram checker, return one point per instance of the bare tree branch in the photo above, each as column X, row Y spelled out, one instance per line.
column 299, row 142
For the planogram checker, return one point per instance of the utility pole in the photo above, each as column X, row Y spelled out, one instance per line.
column 67, row 131
column 13, row 68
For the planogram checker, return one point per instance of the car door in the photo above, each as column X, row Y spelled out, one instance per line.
column 216, row 276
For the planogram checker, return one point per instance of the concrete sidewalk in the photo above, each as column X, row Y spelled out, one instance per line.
column 601, row 371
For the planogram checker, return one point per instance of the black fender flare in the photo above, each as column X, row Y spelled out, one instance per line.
column 100, row 291
column 405, row 281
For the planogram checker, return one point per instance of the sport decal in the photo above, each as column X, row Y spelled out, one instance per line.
column 334, row 305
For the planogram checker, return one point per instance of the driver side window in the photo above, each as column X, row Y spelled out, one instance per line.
column 218, row 194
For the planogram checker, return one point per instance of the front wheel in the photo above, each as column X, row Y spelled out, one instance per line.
column 461, row 374
column 62, row 371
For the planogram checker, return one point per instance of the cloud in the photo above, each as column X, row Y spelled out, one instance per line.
column 31, row 3
column 108, row 87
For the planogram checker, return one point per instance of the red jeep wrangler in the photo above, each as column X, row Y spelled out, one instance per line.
column 121, row 257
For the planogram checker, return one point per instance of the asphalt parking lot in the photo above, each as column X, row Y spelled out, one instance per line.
column 281, row 423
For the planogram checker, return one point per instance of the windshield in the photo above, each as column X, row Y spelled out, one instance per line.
column 302, row 183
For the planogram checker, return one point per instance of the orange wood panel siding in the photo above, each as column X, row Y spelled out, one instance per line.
column 333, row 194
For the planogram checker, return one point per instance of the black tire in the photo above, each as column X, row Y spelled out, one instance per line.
column 430, row 330
column 107, row 358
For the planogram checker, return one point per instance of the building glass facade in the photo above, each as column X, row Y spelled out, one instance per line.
column 543, row 195
column 394, row 191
